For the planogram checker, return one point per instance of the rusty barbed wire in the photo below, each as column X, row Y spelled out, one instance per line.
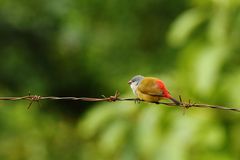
column 37, row 98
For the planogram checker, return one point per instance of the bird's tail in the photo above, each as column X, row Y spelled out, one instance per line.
column 175, row 101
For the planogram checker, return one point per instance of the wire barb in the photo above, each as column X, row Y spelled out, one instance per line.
column 32, row 99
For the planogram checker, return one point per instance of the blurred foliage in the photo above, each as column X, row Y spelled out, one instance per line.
column 91, row 48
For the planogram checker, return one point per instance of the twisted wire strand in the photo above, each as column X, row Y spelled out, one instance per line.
column 37, row 98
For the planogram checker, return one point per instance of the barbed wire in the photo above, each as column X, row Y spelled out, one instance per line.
column 114, row 98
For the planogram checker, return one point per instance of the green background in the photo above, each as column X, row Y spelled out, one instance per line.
column 89, row 48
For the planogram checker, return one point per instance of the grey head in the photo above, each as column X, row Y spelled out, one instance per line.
column 134, row 82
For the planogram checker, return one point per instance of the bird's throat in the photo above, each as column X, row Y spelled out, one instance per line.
column 134, row 86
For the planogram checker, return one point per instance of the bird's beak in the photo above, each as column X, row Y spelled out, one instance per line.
column 129, row 82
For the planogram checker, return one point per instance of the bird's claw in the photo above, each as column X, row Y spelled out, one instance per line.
column 137, row 100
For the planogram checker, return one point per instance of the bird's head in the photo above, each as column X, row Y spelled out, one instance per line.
column 134, row 82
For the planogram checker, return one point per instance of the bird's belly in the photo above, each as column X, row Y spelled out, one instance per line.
column 149, row 98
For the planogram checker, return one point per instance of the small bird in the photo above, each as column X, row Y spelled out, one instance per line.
column 150, row 89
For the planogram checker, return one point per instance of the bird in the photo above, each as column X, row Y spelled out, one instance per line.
column 150, row 89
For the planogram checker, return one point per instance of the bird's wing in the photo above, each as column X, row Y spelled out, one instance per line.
column 149, row 86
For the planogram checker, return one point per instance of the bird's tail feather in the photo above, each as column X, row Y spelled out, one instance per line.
column 175, row 101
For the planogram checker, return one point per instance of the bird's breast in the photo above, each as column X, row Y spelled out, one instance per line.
column 147, row 97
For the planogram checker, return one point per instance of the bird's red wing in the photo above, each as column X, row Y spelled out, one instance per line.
column 150, row 86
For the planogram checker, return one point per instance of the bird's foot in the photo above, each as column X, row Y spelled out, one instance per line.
column 137, row 100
